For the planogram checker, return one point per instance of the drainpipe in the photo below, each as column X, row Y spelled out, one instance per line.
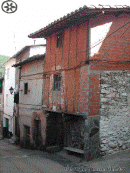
column 88, row 41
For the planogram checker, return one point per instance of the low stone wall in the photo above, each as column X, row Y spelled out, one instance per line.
column 115, row 111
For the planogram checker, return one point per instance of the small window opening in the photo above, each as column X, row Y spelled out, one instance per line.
column 57, row 82
column 59, row 40
column 25, row 88
column 1, row 83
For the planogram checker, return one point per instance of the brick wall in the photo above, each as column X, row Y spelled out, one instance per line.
column 65, row 58
column 80, row 87
column 94, row 97
column 116, row 45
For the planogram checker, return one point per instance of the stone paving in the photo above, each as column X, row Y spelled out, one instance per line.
column 16, row 159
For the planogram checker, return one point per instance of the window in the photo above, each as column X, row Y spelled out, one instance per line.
column 60, row 40
column 1, row 83
column 57, row 82
column 16, row 98
column 25, row 88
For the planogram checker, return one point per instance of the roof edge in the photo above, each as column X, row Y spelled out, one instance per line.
column 30, row 59
column 26, row 47
column 87, row 10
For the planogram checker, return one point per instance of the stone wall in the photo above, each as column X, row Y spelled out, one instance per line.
column 115, row 111
column 77, row 133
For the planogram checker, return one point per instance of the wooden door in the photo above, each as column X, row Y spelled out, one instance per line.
column 54, row 133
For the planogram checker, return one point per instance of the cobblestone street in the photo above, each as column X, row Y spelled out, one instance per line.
column 16, row 159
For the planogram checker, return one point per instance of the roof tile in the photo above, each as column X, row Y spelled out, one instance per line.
column 88, row 10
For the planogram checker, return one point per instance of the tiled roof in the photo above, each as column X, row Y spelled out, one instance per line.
column 33, row 58
column 75, row 16
column 24, row 49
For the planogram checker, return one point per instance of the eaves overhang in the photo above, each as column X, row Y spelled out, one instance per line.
column 25, row 48
column 78, row 16
column 33, row 58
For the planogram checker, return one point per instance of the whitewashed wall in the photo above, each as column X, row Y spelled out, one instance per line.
column 37, row 50
column 9, row 98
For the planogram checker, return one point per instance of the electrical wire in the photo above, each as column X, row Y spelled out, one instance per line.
column 118, row 39
column 110, row 35
column 84, row 62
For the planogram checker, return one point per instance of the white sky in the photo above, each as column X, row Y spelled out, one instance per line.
column 34, row 15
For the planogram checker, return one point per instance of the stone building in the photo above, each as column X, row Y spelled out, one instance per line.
column 87, row 67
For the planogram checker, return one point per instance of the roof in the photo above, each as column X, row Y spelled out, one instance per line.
column 25, row 48
column 33, row 58
column 77, row 16
column 8, row 60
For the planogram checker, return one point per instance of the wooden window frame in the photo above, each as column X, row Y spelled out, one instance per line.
column 25, row 88
column 57, row 82
column 60, row 40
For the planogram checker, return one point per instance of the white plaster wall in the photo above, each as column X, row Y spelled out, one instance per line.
column 37, row 50
column 9, row 105
column 34, row 95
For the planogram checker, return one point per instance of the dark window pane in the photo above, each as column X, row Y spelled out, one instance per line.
column 59, row 40
column 25, row 88
column 0, row 86
column 57, row 82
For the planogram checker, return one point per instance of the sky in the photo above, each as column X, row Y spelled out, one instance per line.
column 34, row 15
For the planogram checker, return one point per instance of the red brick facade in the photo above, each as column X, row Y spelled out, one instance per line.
column 80, row 72
column 80, row 86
